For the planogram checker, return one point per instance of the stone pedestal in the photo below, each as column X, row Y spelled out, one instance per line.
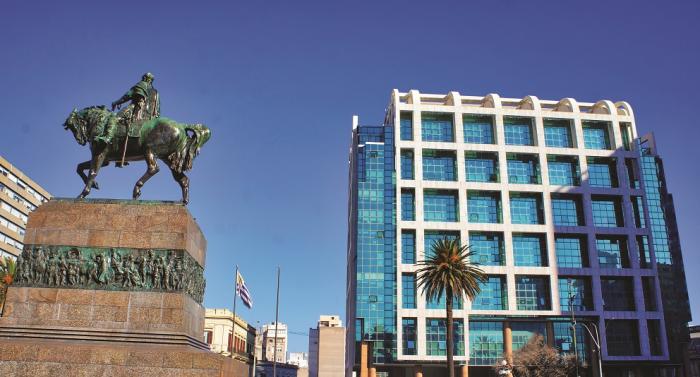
column 109, row 288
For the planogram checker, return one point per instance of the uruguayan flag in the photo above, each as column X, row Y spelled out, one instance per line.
column 243, row 292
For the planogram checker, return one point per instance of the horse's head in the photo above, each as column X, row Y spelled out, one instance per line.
column 77, row 126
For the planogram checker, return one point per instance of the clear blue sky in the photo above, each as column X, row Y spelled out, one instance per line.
column 278, row 82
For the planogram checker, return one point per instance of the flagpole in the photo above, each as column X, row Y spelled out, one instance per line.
column 277, row 313
column 233, row 328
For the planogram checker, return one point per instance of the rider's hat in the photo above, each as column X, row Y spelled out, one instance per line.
column 147, row 76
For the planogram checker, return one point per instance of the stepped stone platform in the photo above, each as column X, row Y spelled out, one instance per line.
column 109, row 288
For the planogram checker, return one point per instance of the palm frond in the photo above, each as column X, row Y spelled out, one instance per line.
column 449, row 269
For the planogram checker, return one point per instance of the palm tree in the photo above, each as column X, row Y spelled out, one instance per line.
column 449, row 271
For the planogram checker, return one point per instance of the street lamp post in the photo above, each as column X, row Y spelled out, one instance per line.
column 595, row 339
column 573, row 323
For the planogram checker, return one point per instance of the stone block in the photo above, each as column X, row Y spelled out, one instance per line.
column 72, row 312
column 103, row 238
column 112, row 298
column 109, row 313
column 48, row 295
column 145, row 359
column 75, row 296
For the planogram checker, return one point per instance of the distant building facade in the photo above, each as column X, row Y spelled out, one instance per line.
column 694, row 352
column 266, row 369
column 218, row 334
column 300, row 359
column 19, row 195
column 327, row 348
column 268, row 342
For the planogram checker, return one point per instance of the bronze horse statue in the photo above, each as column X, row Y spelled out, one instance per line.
column 174, row 143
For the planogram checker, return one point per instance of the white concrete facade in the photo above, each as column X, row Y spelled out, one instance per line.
column 493, row 105
column 19, row 195
column 269, row 335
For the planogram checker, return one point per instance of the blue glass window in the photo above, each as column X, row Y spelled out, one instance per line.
column 526, row 208
column 618, row 293
column 654, row 331
column 595, row 135
column 532, row 293
column 406, row 125
column 523, row 168
column 622, row 336
column 488, row 248
column 478, row 129
column 563, row 340
column 432, row 236
column 607, row 211
column 557, row 133
column 493, row 295
column 567, row 210
column 436, row 337
column 602, row 172
column 643, row 248
column 529, row 250
column 632, row 173
column 406, row 164
column 653, row 176
column 576, row 292
column 437, row 127
column 410, row 338
column 485, row 343
column 408, row 246
column 522, row 332
column 481, row 166
column 563, row 170
column 439, row 165
column 571, row 251
column 484, row 207
column 408, row 212
column 612, row 251
column 638, row 211
column 408, row 291
column 518, row 131
column 440, row 205
column 441, row 303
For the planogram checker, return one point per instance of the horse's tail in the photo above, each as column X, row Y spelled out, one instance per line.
column 197, row 136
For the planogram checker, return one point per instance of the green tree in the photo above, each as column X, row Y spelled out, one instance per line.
column 449, row 271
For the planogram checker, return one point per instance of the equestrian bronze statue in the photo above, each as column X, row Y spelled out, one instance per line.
column 131, row 135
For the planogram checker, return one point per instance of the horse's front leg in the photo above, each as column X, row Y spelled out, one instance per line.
column 80, row 169
column 98, row 160
column 152, row 169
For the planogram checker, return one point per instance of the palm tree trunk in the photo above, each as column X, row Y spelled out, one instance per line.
column 450, row 334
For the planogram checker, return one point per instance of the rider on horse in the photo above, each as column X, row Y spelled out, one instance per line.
column 145, row 105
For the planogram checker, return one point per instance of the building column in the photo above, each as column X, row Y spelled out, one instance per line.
column 508, row 342
column 364, row 350
column 465, row 370
column 372, row 371
column 418, row 371
column 550, row 334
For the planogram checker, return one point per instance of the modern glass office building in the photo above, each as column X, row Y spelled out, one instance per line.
column 566, row 208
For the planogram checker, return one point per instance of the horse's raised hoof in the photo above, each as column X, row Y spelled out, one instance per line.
column 95, row 185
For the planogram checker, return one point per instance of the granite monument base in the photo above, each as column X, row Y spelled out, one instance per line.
column 109, row 288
